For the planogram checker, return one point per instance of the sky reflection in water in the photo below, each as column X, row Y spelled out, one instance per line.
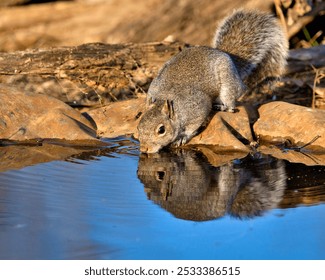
column 99, row 209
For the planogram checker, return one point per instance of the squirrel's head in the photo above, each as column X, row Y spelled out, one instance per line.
column 156, row 128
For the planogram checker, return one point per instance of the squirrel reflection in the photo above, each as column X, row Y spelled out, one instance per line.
column 187, row 186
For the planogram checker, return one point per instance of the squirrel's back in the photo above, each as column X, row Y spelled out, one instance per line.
column 249, row 48
column 256, row 43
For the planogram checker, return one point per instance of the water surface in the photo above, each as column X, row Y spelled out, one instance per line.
column 112, row 203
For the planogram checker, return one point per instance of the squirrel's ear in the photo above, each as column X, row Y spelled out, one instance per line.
column 168, row 109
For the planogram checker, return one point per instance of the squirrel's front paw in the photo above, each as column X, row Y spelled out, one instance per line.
column 224, row 108
column 231, row 110
column 184, row 140
column 181, row 141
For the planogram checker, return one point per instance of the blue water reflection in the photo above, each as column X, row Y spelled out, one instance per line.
column 99, row 209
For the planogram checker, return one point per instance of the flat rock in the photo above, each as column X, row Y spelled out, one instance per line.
column 25, row 116
column 118, row 118
column 282, row 122
column 226, row 131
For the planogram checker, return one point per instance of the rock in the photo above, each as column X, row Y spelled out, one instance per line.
column 26, row 116
column 32, row 116
column 118, row 118
column 281, row 122
column 226, row 131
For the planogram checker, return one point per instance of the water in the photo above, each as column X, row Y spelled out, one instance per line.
column 114, row 204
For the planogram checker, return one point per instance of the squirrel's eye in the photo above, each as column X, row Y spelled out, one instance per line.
column 160, row 175
column 161, row 130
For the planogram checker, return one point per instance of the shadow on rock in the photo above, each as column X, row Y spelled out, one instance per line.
column 189, row 187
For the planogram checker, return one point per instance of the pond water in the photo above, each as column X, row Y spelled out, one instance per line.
column 112, row 203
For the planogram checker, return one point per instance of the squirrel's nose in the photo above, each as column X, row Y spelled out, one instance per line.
column 143, row 149
column 149, row 149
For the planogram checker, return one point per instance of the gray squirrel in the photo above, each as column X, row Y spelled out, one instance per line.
column 248, row 48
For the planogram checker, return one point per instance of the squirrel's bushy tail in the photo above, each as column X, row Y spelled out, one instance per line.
column 256, row 43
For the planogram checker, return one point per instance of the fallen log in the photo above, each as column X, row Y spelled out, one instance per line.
column 96, row 74
column 90, row 74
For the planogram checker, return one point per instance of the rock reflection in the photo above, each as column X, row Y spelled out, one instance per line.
column 189, row 187
column 17, row 155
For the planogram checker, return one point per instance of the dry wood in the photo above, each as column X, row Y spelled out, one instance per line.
column 95, row 74
column 88, row 74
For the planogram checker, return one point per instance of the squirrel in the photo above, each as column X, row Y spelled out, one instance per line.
column 249, row 48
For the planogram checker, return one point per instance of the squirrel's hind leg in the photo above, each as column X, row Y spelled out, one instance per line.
column 231, row 86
